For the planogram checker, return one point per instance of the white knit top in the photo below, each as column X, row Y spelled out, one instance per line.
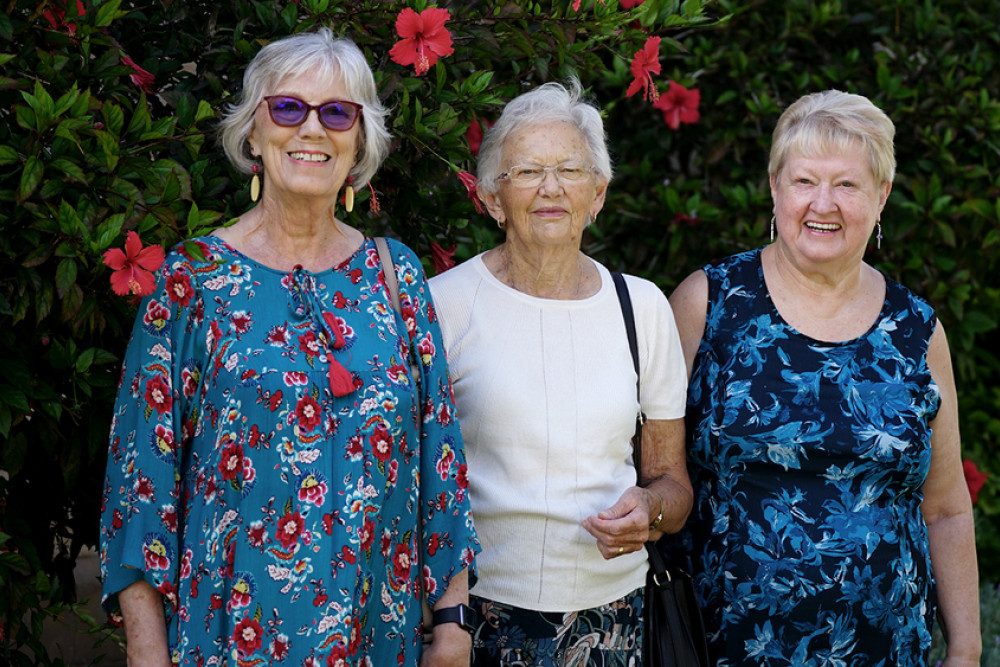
column 545, row 395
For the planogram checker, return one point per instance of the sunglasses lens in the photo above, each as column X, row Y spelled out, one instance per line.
column 287, row 111
column 338, row 115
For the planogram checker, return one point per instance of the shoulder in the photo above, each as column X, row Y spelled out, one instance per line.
column 456, row 279
column 896, row 292
column 401, row 253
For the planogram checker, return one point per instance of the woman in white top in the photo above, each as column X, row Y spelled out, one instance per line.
column 546, row 393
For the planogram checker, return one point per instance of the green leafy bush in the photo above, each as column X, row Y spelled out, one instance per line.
column 92, row 147
column 684, row 198
column 108, row 127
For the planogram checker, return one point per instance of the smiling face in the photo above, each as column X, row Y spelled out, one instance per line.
column 825, row 207
column 308, row 160
column 554, row 212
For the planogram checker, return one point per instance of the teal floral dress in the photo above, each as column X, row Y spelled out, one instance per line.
column 807, row 541
column 265, row 472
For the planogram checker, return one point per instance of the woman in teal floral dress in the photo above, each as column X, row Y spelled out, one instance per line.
column 831, row 519
column 270, row 460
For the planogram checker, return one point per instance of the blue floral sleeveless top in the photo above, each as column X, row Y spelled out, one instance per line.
column 807, row 542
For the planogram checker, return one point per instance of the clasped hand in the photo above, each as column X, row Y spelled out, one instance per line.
column 623, row 527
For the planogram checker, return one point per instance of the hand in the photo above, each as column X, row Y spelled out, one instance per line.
column 623, row 527
column 450, row 646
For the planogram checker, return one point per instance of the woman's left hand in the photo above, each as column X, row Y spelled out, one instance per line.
column 451, row 646
column 623, row 527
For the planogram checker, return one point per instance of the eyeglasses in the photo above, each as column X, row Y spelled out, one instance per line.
column 288, row 111
column 532, row 175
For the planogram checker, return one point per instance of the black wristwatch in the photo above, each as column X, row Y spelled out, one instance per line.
column 462, row 614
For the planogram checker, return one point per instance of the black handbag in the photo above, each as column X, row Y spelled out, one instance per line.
column 674, row 634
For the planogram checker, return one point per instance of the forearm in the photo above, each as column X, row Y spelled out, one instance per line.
column 953, row 557
column 145, row 625
column 677, row 499
column 450, row 645
column 456, row 593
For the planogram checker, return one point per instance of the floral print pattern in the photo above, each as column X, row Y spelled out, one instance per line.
column 807, row 542
column 264, row 464
column 609, row 635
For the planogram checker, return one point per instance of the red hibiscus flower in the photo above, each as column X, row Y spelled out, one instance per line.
column 474, row 135
column 443, row 259
column 57, row 18
column 158, row 394
column 645, row 64
column 629, row 4
column 424, row 38
column 308, row 412
column 974, row 477
column 248, row 635
column 289, row 529
column 679, row 105
column 469, row 181
column 142, row 79
column 133, row 268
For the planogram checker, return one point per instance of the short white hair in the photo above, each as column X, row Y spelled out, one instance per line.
column 549, row 103
column 325, row 57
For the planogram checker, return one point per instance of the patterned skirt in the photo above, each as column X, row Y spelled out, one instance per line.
column 606, row 636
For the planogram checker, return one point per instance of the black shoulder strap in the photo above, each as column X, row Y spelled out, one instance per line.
column 633, row 345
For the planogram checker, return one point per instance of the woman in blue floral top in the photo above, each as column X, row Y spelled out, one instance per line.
column 831, row 519
column 271, row 466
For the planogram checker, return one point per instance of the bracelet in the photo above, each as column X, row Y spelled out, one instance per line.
column 655, row 523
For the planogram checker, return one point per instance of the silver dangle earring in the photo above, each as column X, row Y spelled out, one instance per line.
column 772, row 229
column 878, row 234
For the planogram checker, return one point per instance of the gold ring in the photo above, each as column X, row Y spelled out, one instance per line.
column 621, row 550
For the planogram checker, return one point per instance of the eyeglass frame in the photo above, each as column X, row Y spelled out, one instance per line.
column 506, row 176
column 313, row 107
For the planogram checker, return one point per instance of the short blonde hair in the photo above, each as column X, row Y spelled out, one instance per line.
column 832, row 120
column 326, row 57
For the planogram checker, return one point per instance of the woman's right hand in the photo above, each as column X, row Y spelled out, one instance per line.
column 145, row 626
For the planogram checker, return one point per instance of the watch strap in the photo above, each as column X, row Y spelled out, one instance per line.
column 462, row 614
